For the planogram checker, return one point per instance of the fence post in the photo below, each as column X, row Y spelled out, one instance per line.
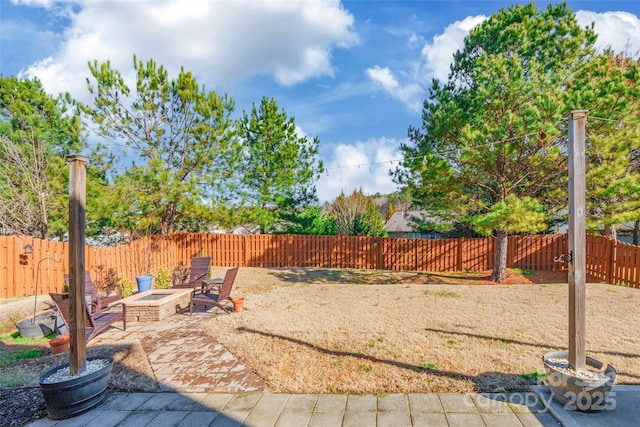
column 459, row 260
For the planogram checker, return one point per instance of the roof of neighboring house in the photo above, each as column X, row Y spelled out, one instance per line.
column 401, row 222
column 245, row 229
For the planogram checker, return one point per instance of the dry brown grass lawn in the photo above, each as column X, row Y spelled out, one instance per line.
column 358, row 331
column 302, row 333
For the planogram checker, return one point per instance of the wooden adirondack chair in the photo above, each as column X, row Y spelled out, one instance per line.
column 198, row 274
column 97, row 302
column 206, row 297
column 94, row 324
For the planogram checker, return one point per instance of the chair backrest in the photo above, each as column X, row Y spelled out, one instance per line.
column 63, row 303
column 199, row 271
column 227, row 284
column 89, row 290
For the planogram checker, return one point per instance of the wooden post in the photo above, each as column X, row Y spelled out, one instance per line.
column 77, row 197
column 577, row 243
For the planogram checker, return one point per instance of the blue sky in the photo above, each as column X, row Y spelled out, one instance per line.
column 352, row 73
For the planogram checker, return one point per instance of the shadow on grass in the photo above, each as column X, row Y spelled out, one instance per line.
column 536, row 345
column 528, row 344
column 389, row 277
column 484, row 382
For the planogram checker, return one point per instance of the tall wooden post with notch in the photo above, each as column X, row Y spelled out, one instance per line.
column 577, row 239
column 77, row 198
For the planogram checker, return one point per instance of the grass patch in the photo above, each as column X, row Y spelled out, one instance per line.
column 423, row 368
column 537, row 376
column 17, row 339
column 7, row 358
column 443, row 294
column 522, row 271
column 17, row 377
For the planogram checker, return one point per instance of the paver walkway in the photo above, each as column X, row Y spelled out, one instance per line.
column 325, row 410
column 184, row 358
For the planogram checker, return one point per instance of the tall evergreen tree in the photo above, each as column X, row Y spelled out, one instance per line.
column 279, row 166
column 180, row 131
column 486, row 144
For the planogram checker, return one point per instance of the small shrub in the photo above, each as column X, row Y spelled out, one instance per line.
column 106, row 280
column 180, row 274
column 125, row 288
column 162, row 279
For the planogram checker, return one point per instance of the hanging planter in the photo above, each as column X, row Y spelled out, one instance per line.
column 66, row 397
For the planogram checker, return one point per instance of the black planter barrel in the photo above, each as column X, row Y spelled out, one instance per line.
column 68, row 398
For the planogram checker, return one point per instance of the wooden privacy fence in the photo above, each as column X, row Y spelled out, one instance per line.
column 607, row 260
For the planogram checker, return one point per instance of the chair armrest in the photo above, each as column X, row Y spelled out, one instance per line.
column 108, row 300
column 110, row 306
column 212, row 284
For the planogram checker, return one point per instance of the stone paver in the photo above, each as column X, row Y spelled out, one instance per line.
column 267, row 410
column 297, row 411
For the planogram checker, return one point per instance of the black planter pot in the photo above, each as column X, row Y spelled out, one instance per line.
column 68, row 398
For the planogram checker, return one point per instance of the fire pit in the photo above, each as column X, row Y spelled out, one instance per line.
column 156, row 304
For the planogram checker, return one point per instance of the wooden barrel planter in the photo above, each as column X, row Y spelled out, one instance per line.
column 577, row 392
column 69, row 397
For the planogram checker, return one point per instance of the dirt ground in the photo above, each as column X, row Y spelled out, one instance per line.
column 368, row 331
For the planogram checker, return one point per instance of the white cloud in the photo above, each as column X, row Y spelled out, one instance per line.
column 614, row 29
column 409, row 94
column 363, row 165
column 438, row 55
column 47, row 4
column 435, row 60
column 221, row 42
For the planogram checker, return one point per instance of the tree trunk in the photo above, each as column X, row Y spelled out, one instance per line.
column 636, row 232
column 500, row 260
column 610, row 231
